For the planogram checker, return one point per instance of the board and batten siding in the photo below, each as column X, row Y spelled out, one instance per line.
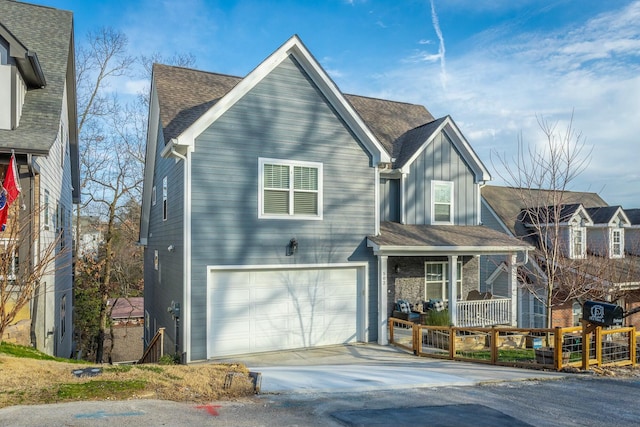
column 165, row 284
column 285, row 117
column 440, row 161
column 389, row 199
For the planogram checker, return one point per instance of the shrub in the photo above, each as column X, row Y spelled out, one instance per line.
column 437, row 318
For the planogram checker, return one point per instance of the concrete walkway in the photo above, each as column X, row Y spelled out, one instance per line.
column 368, row 367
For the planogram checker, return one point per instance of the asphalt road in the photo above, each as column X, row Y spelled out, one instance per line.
column 573, row 401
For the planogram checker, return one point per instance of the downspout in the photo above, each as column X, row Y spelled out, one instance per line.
column 186, row 256
column 376, row 214
column 32, row 201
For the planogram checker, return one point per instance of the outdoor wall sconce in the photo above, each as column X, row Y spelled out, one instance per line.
column 171, row 248
column 292, row 248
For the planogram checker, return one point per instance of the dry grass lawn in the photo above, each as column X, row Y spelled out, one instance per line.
column 25, row 381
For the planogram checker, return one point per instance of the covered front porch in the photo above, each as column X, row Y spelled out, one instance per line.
column 414, row 266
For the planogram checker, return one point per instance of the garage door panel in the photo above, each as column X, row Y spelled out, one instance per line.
column 282, row 309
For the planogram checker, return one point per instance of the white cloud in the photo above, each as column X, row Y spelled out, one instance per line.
column 502, row 82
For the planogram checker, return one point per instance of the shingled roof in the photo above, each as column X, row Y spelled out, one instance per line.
column 604, row 214
column 49, row 33
column 509, row 202
column 445, row 238
column 185, row 94
column 633, row 215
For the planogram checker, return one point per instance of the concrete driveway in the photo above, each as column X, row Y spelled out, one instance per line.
column 369, row 367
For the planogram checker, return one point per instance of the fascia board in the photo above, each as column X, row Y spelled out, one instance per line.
column 501, row 268
column 497, row 218
column 468, row 154
column 444, row 250
column 330, row 90
column 293, row 47
column 150, row 162
column 584, row 214
column 623, row 217
column 407, row 165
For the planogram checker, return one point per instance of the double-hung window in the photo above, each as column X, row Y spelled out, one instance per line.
column 290, row 189
column 436, row 285
column 441, row 202
column 577, row 242
column 617, row 243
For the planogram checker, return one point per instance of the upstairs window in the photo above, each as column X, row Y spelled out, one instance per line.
column 290, row 189
column 617, row 243
column 577, row 242
column 441, row 202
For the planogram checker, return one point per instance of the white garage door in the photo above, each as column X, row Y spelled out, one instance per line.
column 259, row 310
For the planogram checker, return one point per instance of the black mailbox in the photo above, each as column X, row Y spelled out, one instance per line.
column 602, row 313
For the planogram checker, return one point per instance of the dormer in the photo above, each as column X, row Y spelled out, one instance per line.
column 572, row 221
column 607, row 236
column 20, row 71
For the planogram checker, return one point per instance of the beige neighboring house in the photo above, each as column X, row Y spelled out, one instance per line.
column 127, row 330
column 38, row 122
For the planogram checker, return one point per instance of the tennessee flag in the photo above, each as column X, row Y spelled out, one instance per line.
column 9, row 192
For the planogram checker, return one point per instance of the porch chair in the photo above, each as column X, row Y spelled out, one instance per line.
column 403, row 311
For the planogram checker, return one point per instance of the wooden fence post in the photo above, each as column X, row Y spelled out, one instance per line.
column 494, row 345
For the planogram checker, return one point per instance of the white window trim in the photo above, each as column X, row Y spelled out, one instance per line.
column 47, row 210
column 165, row 191
column 445, row 278
column 583, row 253
column 433, row 210
column 153, row 196
column 620, row 244
column 291, row 163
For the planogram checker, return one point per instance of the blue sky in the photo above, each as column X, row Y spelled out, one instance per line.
column 494, row 66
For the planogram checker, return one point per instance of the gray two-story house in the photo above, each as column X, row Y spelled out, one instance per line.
column 280, row 213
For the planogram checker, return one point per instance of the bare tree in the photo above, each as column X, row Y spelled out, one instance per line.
column 112, row 133
column 20, row 281
column 541, row 175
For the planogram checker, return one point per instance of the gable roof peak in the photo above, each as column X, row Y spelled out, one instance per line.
column 293, row 47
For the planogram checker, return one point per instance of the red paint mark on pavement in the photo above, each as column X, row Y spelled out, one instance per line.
column 211, row 409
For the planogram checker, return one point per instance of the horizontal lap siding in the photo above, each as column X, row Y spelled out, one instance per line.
column 165, row 284
column 489, row 263
column 440, row 161
column 283, row 117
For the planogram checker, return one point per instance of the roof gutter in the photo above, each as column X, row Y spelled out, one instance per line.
column 37, row 69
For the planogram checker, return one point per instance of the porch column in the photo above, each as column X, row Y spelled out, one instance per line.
column 512, row 283
column 383, row 321
column 453, row 295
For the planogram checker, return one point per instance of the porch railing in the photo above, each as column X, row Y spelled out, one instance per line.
column 495, row 311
